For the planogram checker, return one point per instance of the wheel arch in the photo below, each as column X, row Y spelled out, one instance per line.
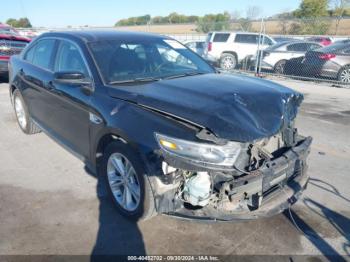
column 341, row 69
column 104, row 140
column 230, row 52
column 278, row 62
column 12, row 89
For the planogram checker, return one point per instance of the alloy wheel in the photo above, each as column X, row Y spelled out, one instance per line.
column 279, row 69
column 228, row 63
column 123, row 181
column 345, row 76
column 20, row 113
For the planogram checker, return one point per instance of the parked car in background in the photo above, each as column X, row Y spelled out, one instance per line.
column 11, row 43
column 280, row 39
column 167, row 137
column 323, row 40
column 275, row 57
column 228, row 49
column 331, row 62
column 196, row 46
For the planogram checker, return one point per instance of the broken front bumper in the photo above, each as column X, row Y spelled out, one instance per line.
column 281, row 182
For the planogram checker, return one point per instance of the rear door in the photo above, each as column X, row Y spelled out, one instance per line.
column 36, row 74
column 246, row 45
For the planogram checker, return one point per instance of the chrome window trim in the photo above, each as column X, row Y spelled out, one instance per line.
column 28, row 48
column 61, row 39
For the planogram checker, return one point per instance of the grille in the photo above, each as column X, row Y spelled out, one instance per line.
column 10, row 47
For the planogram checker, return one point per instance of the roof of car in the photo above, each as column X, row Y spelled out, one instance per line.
column 299, row 42
column 100, row 35
column 236, row 32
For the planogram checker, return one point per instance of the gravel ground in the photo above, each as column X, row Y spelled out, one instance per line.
column 49, row 204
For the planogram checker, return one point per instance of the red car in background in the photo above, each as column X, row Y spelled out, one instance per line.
column 323, row 40
column 11, row 43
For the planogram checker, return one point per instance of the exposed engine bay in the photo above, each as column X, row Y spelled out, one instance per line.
column 263, row 167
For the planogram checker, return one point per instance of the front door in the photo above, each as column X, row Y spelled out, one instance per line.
column 71, row 101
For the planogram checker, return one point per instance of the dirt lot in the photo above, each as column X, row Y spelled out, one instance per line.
column 49, row 204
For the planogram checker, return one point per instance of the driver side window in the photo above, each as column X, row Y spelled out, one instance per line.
column 69, row 59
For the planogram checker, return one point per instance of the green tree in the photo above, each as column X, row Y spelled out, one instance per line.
column 137, row 20
column 312, row 8
column 340, row 10
column 21, row 23
column 214, row 22
column 310, row 12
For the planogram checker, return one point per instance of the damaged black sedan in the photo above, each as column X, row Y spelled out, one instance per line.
column 166, row 131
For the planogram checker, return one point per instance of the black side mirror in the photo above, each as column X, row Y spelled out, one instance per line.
column 72, row 78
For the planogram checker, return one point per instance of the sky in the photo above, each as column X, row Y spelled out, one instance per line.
column 62, row 13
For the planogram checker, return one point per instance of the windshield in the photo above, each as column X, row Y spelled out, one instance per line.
column 147, row 59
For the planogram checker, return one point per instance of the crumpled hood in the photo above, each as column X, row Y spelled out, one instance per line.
column 233, row 107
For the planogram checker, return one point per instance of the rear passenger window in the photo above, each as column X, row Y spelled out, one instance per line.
column 312, row 47
column 200, row 45
column 191, row 45
column 42, row 53
column 298, row 47
column 267, row 41
column 246, row 38
column 221, row 37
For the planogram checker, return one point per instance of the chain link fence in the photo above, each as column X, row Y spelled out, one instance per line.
column 321, row 57
column 315, row 49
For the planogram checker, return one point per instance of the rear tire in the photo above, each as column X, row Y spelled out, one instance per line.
column 125, row 188
column 344, row 75
column 24, row 120
column 228, row 61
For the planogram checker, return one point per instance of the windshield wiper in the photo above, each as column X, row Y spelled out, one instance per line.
column 184, row 75
column 135, row 80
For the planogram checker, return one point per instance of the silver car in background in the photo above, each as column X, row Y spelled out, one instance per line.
column 275, row 57
column 196, row 46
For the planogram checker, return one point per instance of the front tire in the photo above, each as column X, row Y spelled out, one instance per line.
column 22, row 115
column 127, row 182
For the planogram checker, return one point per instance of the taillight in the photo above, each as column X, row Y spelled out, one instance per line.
column 327, row 56
column 210, row 46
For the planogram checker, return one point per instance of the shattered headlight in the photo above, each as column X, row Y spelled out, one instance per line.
column 225, row 155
